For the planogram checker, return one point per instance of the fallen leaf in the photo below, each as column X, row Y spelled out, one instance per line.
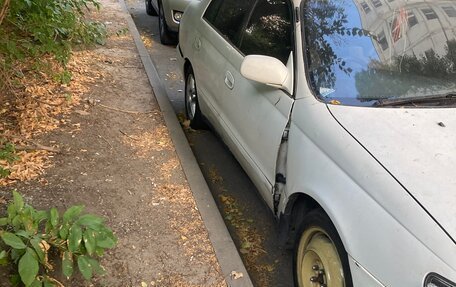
column 236, row 275
column 246, row 245
column 186, row 124
column 82, row 113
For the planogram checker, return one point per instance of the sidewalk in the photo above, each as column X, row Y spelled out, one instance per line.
column 118, row 160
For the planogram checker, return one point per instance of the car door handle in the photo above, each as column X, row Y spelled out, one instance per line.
column 229, row 80
column 197, row 44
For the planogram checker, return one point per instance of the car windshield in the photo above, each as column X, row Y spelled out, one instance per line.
column 361, row 51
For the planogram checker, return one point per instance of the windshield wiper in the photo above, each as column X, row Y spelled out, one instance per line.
column 434, row 100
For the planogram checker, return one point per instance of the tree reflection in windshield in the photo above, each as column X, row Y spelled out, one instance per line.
column 323, row 20
column 409, row 76
column 358, row 50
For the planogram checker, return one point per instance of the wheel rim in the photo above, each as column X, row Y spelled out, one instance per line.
column 318, row 263
column 190, row 97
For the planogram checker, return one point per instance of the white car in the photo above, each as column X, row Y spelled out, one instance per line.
column 169, row 14
column 343, row 115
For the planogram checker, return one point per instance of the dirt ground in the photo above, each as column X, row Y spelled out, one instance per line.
column 118, row 160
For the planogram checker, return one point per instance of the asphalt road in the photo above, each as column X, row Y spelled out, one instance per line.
column 248, row 219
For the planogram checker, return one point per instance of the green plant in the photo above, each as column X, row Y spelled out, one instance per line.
column 43, row 30
column 34, row 28
column 30, row 236
column 63, row 77
column 7, row 153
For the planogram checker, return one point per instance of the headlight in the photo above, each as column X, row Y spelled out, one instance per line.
column 435, row 280
column 177, row 16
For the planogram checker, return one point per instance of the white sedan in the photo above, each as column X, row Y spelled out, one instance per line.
column 343, row 115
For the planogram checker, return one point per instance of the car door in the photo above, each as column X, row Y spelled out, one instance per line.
column 257, row 114
column 214, row 37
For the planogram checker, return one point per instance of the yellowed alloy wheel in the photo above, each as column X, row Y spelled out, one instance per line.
column 318, row 263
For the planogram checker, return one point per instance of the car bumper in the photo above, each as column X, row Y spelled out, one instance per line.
column 170, row 7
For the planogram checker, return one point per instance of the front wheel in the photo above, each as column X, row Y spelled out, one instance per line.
column 320, row 258
column 192, row 109
column 167, row 37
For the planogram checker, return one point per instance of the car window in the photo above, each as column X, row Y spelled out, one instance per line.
column 269, row 30
column 227, row 16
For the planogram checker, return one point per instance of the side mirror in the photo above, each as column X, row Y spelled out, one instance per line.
column 266, row 70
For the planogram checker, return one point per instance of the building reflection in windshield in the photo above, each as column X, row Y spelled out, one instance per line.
column 373, row 49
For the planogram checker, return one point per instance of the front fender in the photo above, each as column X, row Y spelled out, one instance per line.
column 378, row 222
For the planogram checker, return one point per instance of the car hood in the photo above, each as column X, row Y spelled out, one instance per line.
column 417, row 146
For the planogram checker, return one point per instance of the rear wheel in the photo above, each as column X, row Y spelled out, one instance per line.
column 319, row 257
column 192, row 109
column 150, row 10
column 167, row 37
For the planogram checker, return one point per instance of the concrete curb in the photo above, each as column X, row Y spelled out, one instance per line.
column 222, row 242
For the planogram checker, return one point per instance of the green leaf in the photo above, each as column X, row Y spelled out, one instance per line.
column 13, row 241
column 99, row 251
column 63, row 232
column 28, row 267
column 89, row 241
column 3, row 221
column 12, row 212
column 74, row 238
column 85, row 267
column 40, row 215
column 54, row 217
column 4, row 172
column 67, row 264
column 18, row 200
column 16, row 222
column 3, row 258
column 36, row 283
column 72, row 213
column 90, row 220
column 49, row 229
column 16, row 254
column 23, row 233
column 26, row 220
column 36, row 244
column 96, row 267
column 106, row 242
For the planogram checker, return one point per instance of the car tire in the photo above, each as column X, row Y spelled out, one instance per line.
column 319, row 257
column 192, row 109
column 150, row 10
column 167, row 37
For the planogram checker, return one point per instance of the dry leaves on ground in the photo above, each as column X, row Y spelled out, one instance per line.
column 147, row 142
column 39, row 104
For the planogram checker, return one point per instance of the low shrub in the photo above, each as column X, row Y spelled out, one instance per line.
column 29, row 237
column 31, row 29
